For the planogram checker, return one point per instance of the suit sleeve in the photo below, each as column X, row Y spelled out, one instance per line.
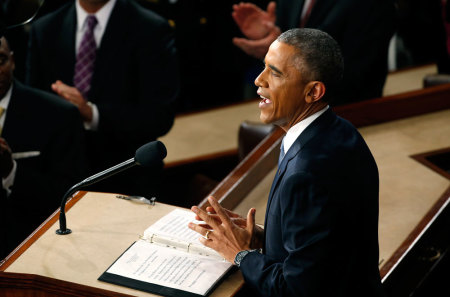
column 308, row 236
column 366, row 30
column 61, row 164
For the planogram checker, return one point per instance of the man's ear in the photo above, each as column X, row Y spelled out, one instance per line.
column 315, row 90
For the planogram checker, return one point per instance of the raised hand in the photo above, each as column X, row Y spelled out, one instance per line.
column 73, row 95
column 258, row 48
column 224, row 235
column 6, row 161
column 237, row 219
column 252, row 20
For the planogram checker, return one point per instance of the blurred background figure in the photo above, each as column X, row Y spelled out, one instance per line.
column 363, row 30
column 423, row 34
column 115, row 61
column 41, row 153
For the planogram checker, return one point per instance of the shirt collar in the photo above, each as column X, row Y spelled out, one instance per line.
column 102, row 15
column 294, row 132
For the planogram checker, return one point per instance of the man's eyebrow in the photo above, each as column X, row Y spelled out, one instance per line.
column 275, row 69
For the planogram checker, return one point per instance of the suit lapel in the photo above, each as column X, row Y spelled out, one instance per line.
column 66, row 50
column 314, row 129
column 294, row 18
column 111, row 44
column 16, row 112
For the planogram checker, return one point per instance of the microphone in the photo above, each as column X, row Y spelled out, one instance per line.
column 147, row 155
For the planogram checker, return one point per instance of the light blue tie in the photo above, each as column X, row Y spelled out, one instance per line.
column 282, row 153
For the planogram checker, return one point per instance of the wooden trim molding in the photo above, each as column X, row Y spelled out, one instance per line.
column 396, row 107
column 203, row 158
column 239, row 182
column 415, row 235
column 23, row 284
column 423, row 159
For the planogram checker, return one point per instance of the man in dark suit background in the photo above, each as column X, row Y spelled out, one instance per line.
column 46, row 135
column 134, row 82
column 363, row 30
column 320, row 235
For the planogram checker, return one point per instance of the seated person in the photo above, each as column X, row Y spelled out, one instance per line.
column 41, row 154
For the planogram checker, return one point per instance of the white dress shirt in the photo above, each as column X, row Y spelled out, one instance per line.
column 102, row 16
column 294, row 132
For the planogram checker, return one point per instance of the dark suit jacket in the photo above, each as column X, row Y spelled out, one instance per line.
column 135, row 79
column 363, row 29
column 321, row 225
column 39, row 121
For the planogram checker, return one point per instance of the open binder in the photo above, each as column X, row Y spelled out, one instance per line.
column 169, row 260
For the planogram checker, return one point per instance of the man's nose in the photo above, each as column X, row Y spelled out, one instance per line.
column 260, row 81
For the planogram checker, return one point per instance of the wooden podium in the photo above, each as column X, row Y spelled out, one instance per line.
column 103, row 227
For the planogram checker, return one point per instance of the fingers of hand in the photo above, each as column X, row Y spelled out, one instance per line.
column 232, row 214
column 220, row 211
column 205, row 226
column 200, row 230
column 205, row 217
column 206, row 242
column 240, row 222
column 271, row 9
column 210, row 210
column 3, row 148
column 69, row 93
column 251, row 219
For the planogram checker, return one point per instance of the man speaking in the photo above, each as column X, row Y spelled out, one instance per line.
column 320, row 235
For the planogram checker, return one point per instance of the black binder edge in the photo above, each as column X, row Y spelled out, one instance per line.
column 153, row 288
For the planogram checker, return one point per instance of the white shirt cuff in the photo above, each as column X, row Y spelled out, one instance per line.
column 93, row 125
column 8, row 181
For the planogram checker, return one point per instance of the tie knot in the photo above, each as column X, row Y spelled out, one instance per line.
column 91, row 21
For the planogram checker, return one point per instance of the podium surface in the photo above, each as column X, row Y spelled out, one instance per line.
column 103, row 227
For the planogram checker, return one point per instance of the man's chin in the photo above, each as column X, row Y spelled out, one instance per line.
column 264, row 119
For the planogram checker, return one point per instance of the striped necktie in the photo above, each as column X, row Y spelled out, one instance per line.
column 307, row 14
column 84, row 67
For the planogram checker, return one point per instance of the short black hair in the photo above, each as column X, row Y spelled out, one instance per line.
column 319, row 57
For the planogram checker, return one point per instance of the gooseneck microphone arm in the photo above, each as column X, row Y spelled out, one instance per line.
column 87, row 182
column 147, row 155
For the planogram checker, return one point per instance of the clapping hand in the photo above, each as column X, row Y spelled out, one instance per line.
column 252, row 20
column 6, row 161
column 74, row 96
column 258, row 26
column 224, row 231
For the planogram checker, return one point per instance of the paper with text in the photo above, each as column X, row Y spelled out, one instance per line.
column 172, row 230
column 169, row 267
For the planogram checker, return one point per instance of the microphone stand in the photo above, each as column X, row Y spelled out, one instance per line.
column 63, row 230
